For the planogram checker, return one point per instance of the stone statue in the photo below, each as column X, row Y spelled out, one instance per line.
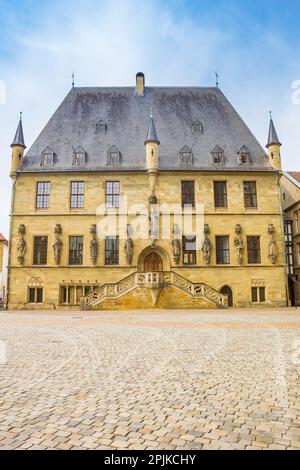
column 273, row 252
column 176, row 244
column 94, row 244
column 206, row 245
column 154, row 223
column 58, row 244
column 153, row 199
column 239, row 243
column 129, row 245
column 21, row 247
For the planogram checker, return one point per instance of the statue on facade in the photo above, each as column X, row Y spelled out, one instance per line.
column 129, row 245
column 206, row 245
column 176, row 244
column 22, row 245
column 94, row 244
column 273, row 252
column 239, row 243
column 154, row 224
column 58, row 244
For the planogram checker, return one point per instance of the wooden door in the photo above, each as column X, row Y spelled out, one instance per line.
column 153, row 262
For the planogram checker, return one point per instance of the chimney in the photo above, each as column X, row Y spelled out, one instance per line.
column 140, row 84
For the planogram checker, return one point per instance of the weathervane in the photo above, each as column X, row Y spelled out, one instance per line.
column 73, row 80
column 217, row 79
column 270, row 115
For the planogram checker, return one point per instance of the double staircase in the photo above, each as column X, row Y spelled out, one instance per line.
column 155, row 282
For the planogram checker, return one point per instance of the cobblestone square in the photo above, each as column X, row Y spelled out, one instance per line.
column 150, row 380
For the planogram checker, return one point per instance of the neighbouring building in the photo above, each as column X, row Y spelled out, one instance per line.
column 3, row 268
column 290, row 187
column 165, row 150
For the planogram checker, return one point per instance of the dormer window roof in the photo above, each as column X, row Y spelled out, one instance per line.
column 101, row 127
column 79, row 158
column 197, row 127
column 113, row 156
column 186, row 156
column 244, row 156
column 47, row 158
column 218, row 157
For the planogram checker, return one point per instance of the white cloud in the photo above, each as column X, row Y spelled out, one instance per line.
column 106, row 43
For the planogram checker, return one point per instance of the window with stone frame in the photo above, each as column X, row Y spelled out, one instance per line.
column 222, row 250
column 35, row 295
column 244, row 156
column 189, row 250
column 111, row 251
column 220, row 194
column 77, row 194
column 40, row 251
column 258, row 294
column 47, row 158
column 186, row 156
column 101, row 127
column 188, row 193
column 253, row 250
column 43, row 195
column 113, row 156
column 250, row 194
column 75, row 250
column 218, row 156
column 288, row 238
column 79, row 158
column 197, row 127
column 112, row 196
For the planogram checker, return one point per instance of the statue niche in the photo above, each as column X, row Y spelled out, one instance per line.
column 176, row 244
column 239, row 243
column 129, row 245
column 273, row 251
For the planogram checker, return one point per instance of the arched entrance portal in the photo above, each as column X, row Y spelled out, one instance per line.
column 227, row 291
column 153, row 262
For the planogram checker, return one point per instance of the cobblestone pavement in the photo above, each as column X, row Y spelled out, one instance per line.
column 150, row 380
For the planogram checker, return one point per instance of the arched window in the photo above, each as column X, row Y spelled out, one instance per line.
column 197, row 127
column 47, row 158
column 186, row 156
column 101, row 127
column 218, row 157
column 244, row 156
column 113, row 156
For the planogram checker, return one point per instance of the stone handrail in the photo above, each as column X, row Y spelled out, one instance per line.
column 153, row 281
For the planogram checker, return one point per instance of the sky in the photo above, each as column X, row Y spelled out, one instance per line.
column 253, row 45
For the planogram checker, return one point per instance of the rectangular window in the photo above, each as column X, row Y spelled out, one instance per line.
column 189, row 251
column 296, row 219
column 253, row 248
column 112, row 251
column 288, row 238
column 258, row 294
column 223, row 252
column 250, row 194
column 40, row 250
column 43, row 195
column 35, row 295
column 188, row 193
column 220, row 192
column 112, row 194
column 77, row 195
column 76, row 250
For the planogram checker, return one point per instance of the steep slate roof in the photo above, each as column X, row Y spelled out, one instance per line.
column 127, row 118
column 273, row 137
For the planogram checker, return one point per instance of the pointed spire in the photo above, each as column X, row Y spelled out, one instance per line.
column 19, row 136
column 273, row 137
column 152, row 134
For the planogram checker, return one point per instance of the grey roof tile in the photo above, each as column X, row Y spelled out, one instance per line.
column 127, row 117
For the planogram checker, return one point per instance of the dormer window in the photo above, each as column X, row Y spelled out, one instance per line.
column 197, row 127
column 218, row 157
column 47, row 157
column 244, row 156
column 186, row 156
column 113, row 156
column 79, row 158
column 101, row 127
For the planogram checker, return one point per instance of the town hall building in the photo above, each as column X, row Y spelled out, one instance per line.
column 167, row 150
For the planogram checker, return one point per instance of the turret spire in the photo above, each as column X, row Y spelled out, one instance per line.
column 152, row 134
column 273, row 137
column 19, row 136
